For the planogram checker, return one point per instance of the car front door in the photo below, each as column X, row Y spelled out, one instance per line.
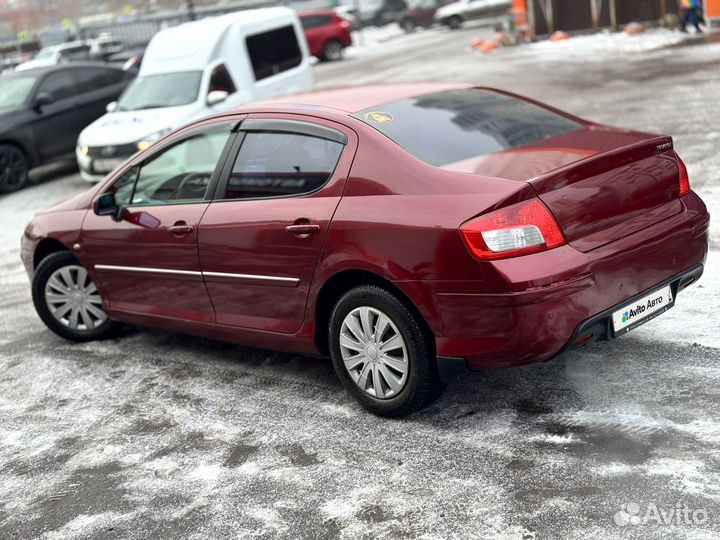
column 56, row 123
column 147, row 262
column 260, row 240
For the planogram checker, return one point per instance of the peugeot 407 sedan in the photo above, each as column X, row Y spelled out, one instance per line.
column 393, row 228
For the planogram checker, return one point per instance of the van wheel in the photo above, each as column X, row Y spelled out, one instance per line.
column 454, row 22
column 333, row 50
column 67, row 300
column 13, row 168
column 380, row 352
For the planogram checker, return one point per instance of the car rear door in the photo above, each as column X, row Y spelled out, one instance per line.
column 261, row 238
column 147, row 263
column 96, row 87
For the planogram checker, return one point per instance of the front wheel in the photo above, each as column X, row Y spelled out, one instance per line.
column 380, row 352
column 67, row 300
column 13, row 168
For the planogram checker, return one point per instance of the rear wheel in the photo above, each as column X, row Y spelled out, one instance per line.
column 380, row 352
column 408, row 25
column 13, row 168
column 333, row 50
column 454, row 22
column 67, row 300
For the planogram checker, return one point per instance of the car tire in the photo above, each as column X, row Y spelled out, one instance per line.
column 454, row 22
column 332, row 51
column 67, row 300
column 408, row 25
column 13, row 168
column 393, row 382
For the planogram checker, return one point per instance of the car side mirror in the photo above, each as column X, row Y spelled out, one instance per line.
column 111, row 107
column 42, row 99
column 216, row 96
column 106, row 205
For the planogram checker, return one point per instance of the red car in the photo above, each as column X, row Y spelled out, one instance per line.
column 327, row 33
column 385, row 226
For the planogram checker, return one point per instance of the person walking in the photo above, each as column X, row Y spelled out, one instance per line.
column 691, row 13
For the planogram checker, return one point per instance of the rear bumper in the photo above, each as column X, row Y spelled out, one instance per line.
column 554, row 298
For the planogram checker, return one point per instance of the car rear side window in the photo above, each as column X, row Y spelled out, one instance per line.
column 59, row 84
column 90, row 79
column 274, row 164
column 455, row 125
column 274, row 52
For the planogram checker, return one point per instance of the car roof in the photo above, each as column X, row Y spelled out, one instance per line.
column 354, row 99
column 312, row 12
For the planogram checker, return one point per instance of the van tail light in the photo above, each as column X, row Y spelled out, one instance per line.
column 684, row 177
column 519, row 229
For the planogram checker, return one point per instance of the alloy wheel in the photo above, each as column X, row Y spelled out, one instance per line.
column 374, row 352
column 13, row 169
column 333, row 50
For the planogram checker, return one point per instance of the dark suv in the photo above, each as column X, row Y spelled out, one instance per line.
column 42, row 112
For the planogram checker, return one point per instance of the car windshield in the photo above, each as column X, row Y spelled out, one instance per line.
column 455, row 125
column 165, row 90
column 14, row 91
column 44, row 54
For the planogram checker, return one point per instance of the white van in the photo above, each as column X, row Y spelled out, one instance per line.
column 194, row 70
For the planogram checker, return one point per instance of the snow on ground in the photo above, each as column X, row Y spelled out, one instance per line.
column 158, row 435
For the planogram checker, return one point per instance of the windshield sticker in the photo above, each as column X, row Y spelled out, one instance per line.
column 378, row 117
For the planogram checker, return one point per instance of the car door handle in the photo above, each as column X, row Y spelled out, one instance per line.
column 180, row 229
column 303, row 229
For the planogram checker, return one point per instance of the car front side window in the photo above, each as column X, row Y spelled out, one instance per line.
column 178, row 174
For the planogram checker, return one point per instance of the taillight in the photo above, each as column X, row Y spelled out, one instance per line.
column 345, row 24
column 684, row 177
column 519, row 229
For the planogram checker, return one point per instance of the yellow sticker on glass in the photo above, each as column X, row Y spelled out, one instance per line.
column 378, row 117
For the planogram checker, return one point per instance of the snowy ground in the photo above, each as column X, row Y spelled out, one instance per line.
column 158, row 435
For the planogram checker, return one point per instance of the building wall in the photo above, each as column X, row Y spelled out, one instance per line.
column 570, row 15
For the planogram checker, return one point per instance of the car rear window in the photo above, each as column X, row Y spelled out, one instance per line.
column 455, row 125
column 314, row 21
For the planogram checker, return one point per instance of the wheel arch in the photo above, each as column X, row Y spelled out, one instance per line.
column 344, row 280
column 45, row 247
column 30, row 156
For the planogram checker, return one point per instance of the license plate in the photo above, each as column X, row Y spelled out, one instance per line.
column 642, row 310
column 106, row 165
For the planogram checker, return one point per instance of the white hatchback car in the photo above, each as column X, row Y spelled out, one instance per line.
column 453, row 15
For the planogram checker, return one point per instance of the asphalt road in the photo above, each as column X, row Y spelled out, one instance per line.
column 158, row 435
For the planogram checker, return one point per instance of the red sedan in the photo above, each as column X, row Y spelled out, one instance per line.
column 394, row 228
column 327, row 33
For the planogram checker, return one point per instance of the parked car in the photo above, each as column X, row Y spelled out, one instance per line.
column 105, row 46
column 372, row 12
column 42, row 112
column 75, row 51
column 420, row 13
column 396, row 228
column 327, row 33
column 195, row 69
column 453, row 15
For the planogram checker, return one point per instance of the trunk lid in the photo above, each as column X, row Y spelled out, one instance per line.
column 600, row 183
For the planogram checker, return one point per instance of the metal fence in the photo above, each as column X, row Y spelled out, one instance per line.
column 137, row 33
